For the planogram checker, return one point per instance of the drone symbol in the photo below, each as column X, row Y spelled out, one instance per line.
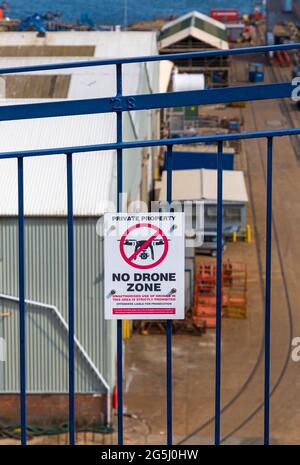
column 146, row 251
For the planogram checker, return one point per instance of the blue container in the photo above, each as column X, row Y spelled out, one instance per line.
column 199, row 160
column 256, row 72
column 217, row 77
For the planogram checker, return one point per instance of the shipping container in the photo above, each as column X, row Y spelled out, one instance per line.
column 225, row 15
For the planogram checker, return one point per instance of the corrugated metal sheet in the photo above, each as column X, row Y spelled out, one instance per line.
column 46, row 272
column 45, row 177
column 202, row 185
column 94, row 173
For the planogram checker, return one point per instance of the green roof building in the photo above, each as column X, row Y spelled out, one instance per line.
column 193, row 32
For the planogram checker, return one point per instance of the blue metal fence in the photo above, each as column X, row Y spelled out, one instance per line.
column 120, row 104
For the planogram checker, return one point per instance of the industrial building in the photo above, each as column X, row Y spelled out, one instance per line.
column 46, row 228
column 201, row 185
column 193, row 32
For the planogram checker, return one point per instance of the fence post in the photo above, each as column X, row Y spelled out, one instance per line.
column 268, row 291
column 219, row 293
column 71, row 319
column 119, row 208
column 169, row 166
column 22, row 306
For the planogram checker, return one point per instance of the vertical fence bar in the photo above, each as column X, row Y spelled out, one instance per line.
column 268, row 291
column 219, row 293
column 119, row 207
column 189, row 271
column 169, row 166
column 71, row 300
column 22, row 307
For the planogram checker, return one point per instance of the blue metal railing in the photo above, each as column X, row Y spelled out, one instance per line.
column 120, row 104
column 71, row 317
column 169, row 167
column 119, row 208
column 219, row 292
column 268, row 290
column 22, row 317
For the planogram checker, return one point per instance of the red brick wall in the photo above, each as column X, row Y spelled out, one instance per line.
column 52, row 409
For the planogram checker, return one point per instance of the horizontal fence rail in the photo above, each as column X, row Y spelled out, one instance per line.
column 263, row 49
column 119, row 104
column 152, row 143
column 145, row 102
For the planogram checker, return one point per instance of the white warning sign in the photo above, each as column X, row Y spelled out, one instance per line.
column 144, row 266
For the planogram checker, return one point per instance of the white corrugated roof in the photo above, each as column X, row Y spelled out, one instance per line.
column 45, row 177
column 94, row 174
column 100, row 81
column 202, row 185
column 89, row 82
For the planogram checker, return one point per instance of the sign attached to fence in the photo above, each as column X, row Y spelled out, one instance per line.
column 144, row 266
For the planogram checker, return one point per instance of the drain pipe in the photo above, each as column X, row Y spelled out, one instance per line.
column 79, row 347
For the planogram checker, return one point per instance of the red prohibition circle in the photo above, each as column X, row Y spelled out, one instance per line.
column 159, row 232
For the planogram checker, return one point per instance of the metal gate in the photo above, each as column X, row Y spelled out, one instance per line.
column 119, row 104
